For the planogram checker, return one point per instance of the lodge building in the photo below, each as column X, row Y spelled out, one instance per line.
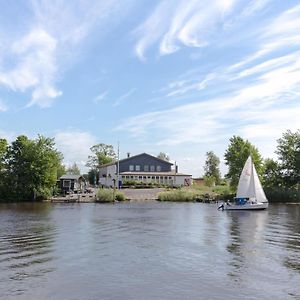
column 143, row 168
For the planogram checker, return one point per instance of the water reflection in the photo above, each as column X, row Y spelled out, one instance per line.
column 246, row 231
column 148, row 250
column 26, row 242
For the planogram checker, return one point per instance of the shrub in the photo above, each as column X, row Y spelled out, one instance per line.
column 105, row 195
column 281, row 194
column 120, row 196
column 109, row 195
column 180, row 196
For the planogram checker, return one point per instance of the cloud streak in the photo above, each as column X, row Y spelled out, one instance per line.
column 42, row 51
column 122, row 98
column 256, row 97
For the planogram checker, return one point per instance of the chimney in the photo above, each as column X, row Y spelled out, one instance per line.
column 128, row 154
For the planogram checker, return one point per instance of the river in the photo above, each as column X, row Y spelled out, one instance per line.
column 148, row 250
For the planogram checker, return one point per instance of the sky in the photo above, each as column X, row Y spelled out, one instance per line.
column 174, row 76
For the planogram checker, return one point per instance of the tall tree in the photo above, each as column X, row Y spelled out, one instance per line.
column 74, row 170
column 102, row 154
column 3, row 151
column 211, row 168
column 271, row 175
column 31, row 167
column 235, row 157
column 288, row 151
column 163, row 156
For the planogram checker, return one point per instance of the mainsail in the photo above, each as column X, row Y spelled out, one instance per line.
column 245, row 179
column 249, row 185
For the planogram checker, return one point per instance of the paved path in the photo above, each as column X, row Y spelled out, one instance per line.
column 142, row 194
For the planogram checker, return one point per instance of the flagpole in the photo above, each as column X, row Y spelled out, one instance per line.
column 118, row 166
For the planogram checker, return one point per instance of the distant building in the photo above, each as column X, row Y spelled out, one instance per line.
column 142, row 168
column 72, row 183
column 198, row 181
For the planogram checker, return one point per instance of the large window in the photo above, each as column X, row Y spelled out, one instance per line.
column 146, row 168
column 131, row 167
column 152, row 168
column 137, row 168
column 158, row 168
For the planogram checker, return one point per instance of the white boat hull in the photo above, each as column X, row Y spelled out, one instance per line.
column 247, row 206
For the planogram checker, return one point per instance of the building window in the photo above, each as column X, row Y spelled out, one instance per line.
column 158, row 168
column 131, row 167
column 137, row 168
column 152, row 168
column 67, row 183
column 146, row 168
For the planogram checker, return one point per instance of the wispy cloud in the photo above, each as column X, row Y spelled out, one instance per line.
column 43, row 50
column 121, row 99
column 174, row 24
column 100, row 97
column 260, row 100
column 3, row 107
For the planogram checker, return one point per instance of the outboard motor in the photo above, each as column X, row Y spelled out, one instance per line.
column 221, row 207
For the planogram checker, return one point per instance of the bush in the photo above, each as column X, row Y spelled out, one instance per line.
column 105, row 196
column 120, row 196
column 281, row 194
column 109, row 196
column 181, row 196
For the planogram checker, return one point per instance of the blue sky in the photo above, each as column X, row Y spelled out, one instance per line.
column 176, row 76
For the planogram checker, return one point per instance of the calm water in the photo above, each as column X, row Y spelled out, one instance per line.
column 148, row 250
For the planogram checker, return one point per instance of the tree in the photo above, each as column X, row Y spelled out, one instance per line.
column 163, row 156
column 271, row 175
column 102, row 154
column 31, row 168
column 93, row 176
column 235, row 157
column 288, row 151
column 211, row 168
column 74, row 170
column 3, row 151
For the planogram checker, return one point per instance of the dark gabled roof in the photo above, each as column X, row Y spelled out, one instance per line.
column 159, row 159
column 71, row 176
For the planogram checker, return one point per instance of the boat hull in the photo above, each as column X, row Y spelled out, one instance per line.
column 254, row 206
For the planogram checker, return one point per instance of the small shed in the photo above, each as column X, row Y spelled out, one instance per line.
column 70, row 183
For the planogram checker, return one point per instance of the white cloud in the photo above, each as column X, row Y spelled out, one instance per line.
column 75, row 146
column 100, row 97
column 254, row 105
column 174, row 24
column 56, row 30
column 3, row 107
column 35, row 67
column 121, row 99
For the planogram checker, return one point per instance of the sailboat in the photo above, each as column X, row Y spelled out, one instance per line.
column 250, row 194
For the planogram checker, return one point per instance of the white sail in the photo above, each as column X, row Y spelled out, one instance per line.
column 249, row 184
column 245, row 179
column 259, row 192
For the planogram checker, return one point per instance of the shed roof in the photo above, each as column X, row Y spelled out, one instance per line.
column 71, row 176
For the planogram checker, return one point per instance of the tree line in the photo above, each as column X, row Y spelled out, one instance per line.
column 280, row 178
column 29, row 168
